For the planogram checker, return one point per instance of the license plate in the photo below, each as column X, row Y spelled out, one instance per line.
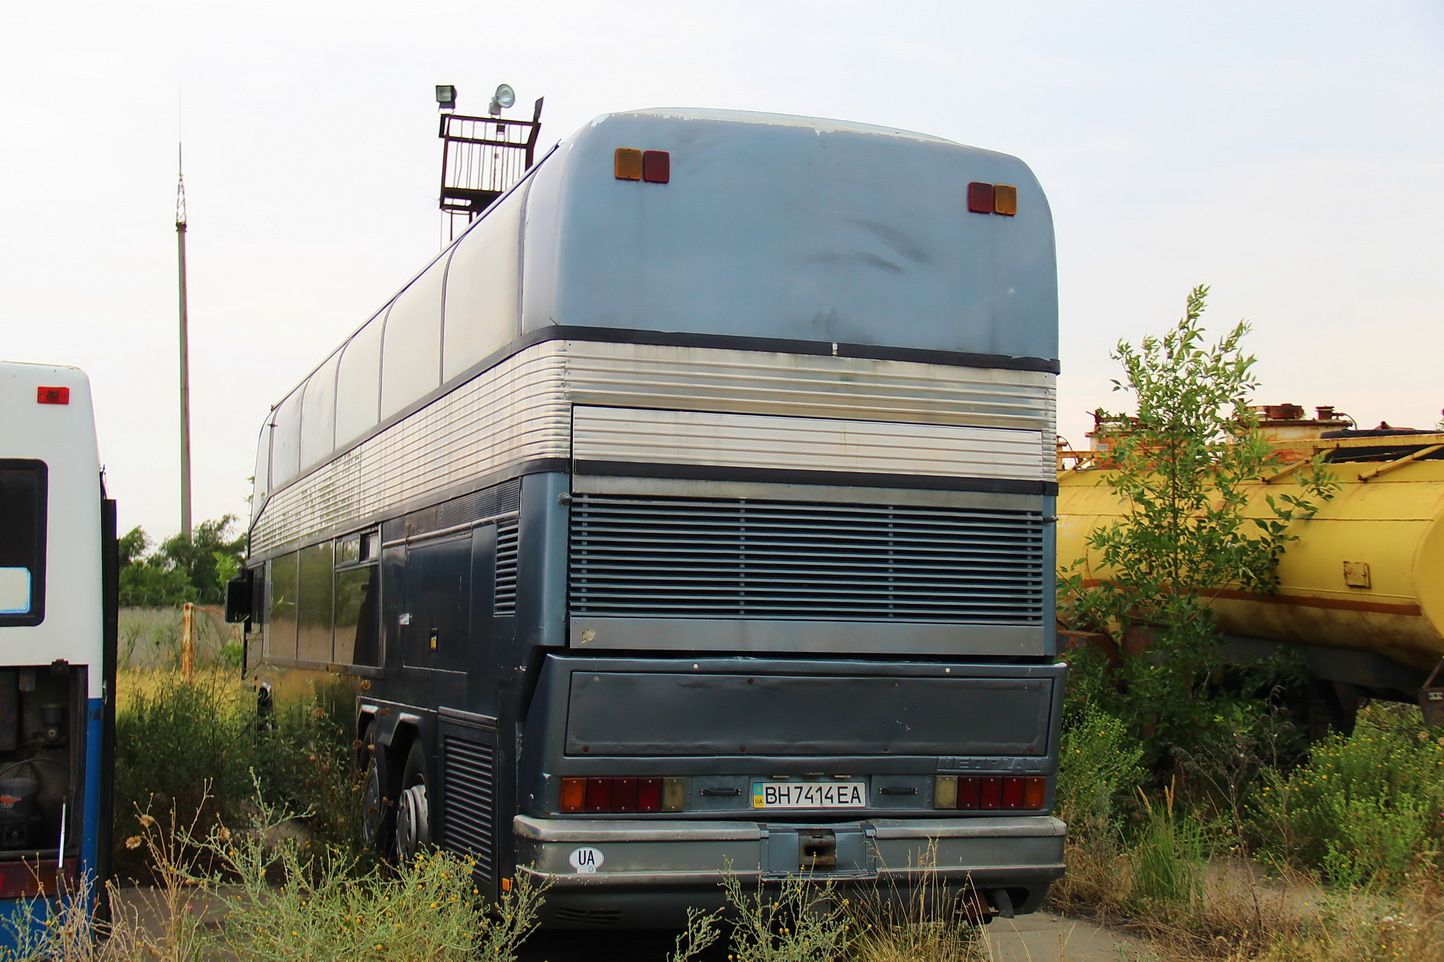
column 809, row 795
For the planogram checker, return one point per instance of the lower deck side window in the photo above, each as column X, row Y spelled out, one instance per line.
column 23, row 485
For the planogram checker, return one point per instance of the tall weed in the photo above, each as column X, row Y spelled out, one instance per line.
column 257, row 894
column 1170, row 856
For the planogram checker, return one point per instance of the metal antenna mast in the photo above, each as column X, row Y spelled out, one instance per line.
column 185, row 364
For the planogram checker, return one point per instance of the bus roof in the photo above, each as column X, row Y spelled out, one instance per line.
column 791, row 227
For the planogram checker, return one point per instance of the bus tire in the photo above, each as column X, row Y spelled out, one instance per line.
column 413, row 809
column 378, row 806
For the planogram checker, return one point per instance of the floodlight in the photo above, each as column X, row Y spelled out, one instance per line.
column 503, row 98
column 445, row 97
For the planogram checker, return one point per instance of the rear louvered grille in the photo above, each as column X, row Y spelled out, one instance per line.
column 686, row 558
column 468, row 802
column 506, row 545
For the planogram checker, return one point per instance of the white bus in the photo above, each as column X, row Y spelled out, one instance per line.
column 694, row 509
column 57, row 639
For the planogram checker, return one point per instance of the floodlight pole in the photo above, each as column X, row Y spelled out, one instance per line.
column 185, row 364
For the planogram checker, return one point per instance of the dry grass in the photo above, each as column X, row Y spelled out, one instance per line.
column 1243, row 916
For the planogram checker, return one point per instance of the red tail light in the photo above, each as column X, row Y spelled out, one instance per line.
column 968, row 789
column 52, row 395
column 992, row 793
column 599, row 795
column 649, row 794
column 624, row 794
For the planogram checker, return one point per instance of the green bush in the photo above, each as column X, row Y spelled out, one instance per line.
column 1364, row 809
column 1098, row 769
column 196, row 748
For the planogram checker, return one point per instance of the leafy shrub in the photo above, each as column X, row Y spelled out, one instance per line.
column 1364, row 809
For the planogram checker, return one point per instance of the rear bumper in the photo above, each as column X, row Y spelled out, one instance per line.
column 615, row 872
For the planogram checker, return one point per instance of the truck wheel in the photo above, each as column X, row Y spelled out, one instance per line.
column 413, row 809
column 378, row 806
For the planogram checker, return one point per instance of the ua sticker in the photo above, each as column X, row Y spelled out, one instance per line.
column 586, row 860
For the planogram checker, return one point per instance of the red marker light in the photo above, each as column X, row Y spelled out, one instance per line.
column 656, row 166
column 980, row 198
column 52, row 395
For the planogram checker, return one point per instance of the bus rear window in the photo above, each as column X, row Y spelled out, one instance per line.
column 22, row 542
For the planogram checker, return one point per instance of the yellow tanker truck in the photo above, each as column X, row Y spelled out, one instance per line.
column 1361, row 592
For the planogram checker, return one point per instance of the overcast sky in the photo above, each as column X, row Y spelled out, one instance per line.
column 1289, row 154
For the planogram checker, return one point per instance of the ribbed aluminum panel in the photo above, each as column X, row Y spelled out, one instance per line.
column 467, row 802
column 515, row 412
column 736, row 558
column 704, row 438
column 806, row 385
column 520, row 411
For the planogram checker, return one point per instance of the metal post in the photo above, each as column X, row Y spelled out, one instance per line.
column 188, row 642
column 185, row 364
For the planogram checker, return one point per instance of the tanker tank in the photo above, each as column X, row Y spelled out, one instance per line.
column 1361, row 592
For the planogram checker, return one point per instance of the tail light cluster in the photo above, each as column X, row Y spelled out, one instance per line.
column 990, row 792
column 604, row 794
column 652, row 166
column 993, row 199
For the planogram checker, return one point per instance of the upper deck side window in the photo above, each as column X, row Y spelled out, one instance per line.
column 411, row 346
column 23, row 489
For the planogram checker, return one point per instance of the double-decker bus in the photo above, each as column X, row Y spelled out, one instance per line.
column 692, row 510
column 57, row 644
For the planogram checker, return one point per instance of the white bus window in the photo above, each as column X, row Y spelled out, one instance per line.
column 482, row 288
column 318, row 414
column 286, row 440
column 22, row 542
column 358, row 383
column 411, row 351
column 313, row 608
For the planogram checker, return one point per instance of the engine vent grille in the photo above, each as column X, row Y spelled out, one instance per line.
column 506, row 545
column 468, row 803
column 736, row 558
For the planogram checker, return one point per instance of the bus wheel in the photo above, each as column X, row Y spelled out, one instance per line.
column 413, row 811
column 378, row 815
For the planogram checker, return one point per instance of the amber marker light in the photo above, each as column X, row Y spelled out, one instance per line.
column 627, row 164
column 1005, row 200
column 574, row 794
